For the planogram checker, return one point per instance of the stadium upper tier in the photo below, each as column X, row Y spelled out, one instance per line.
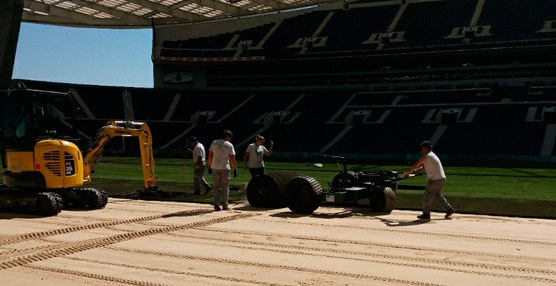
column 368, row 28
column 363, row 42
column 510, row 121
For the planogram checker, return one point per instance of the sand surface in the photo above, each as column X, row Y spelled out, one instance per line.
column 132, row 242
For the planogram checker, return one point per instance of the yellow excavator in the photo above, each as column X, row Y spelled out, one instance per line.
column 45, row 169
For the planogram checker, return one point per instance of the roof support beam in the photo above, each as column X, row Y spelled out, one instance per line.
column 112, row 11
column 56, row 11
column 271, row 3
column 168, row 11
column 96, row 22
column 56, row 15
column 143, row 13
column 216, row 5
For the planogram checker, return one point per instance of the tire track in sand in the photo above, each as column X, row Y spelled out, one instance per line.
column 378, row 244
column 450, row 235
column 274, row 267
column 149, row 269
column 36, row 235
column 70, row 248
column 395, row 260
column 299, row 249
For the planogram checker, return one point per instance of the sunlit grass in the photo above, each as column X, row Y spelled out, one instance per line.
column 480, row 182
column 526, row 192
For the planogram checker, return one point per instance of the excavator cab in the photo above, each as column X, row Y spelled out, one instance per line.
column 28, row 116
column 39, row 136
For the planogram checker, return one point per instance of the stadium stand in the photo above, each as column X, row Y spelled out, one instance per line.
column 361, row 24
column 360, row 124
column 369, row 80
column 514, row 19
column 361, row 29
column 420, row 30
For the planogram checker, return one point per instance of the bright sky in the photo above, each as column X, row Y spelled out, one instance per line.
column 109, row 57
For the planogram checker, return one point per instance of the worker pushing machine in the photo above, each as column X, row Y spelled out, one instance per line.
column 436, row 179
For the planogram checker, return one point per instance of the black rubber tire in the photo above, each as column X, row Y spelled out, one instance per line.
column 382, row 200
column 48, row 204
column 303, row 195
column 88, row 198
column 350, row 177
column 267, row 190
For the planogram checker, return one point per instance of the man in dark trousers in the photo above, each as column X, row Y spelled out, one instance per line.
column 435, row 181
column 222, row 159
column 198, row 166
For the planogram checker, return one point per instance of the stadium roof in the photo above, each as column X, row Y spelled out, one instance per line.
column 142, row 13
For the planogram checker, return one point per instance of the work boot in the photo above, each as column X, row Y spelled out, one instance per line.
column 216, row 207
column 449, row 213
column 424, row 216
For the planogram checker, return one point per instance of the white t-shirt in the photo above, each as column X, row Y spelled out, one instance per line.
column 221, row 150
column 199, row 150
column 433, row 166
column 256, row 155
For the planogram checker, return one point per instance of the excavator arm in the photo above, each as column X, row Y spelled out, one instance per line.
column 123, row 129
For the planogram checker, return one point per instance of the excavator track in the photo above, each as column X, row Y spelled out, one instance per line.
column 30, row 201
column 88, row 198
